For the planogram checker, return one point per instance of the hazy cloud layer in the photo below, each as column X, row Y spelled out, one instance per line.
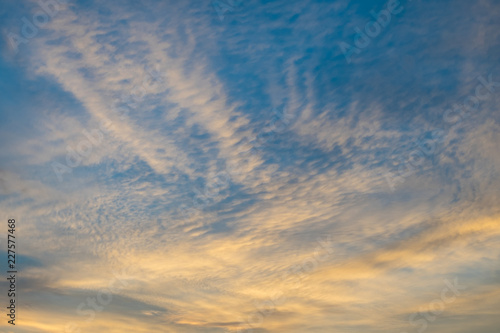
column 192, row 174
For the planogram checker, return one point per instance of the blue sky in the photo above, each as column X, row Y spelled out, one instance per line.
column 229, row 166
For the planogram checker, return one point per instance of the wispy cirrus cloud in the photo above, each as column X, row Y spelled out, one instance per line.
column 167, row 135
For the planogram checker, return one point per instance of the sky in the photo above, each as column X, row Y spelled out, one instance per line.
column 251, row 166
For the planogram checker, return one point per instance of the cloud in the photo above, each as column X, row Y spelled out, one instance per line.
column 213, row 160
